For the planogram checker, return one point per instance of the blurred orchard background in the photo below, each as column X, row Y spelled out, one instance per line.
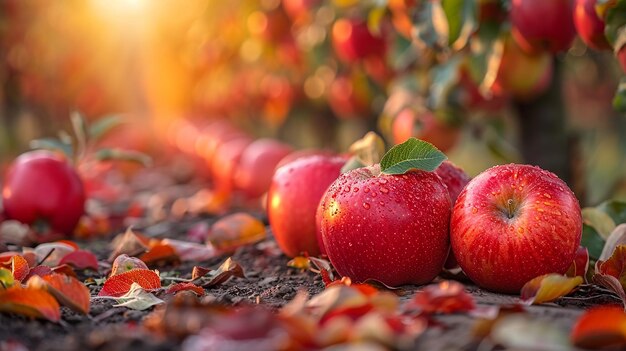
column 320, row 74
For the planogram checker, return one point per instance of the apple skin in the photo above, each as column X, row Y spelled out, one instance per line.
column 292, row 201
column 501, row 251
column 455, row 179
column 225, row 161
column 539, row 25
column 589, row 26
column 353, row 41
column 522, row 75
column 423, row 125
column 256, row 166
column 390, row 228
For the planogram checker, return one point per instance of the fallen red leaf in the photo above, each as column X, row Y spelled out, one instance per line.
column 119, row 284
column 173, row 289
column 81, row 259
column 198, row 272
column 69, row 242
column 580, row 265
column 188, row 251
column 611, row 273
column 235, row 230
column 40, row 271
column 601, row 327
column 124, row 263
column 160, row 254
column 30, row 302
column 67, row 290
column 445, row 297
column 225, row 271
column 548, row 287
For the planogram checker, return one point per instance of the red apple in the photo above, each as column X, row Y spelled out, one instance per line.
column 426, row 126
column 513, row 223
column 455, row 179
column 292, row 201
column 520, row 74
column 589, row 26
column 391, row 228
column 349, row 97
column 225, row 161
column 256, row 166
column 353, row 41
column 539, row 25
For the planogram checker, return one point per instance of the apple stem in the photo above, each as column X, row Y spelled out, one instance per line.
column 510, row 208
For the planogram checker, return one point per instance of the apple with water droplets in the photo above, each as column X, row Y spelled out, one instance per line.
column 389, row 227
column 292, row 201
column 513, row 223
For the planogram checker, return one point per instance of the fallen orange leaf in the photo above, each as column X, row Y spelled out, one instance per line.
column 119, row 284
column 67, row 290
column 235, row 230
column 299, row 262
column 226, row 270
column 30, row 302
column 548, row 287
column 19, row 267
column 129, row 243
column 601, row 327
column 81, row 259
column 185, row 286
column 159, row 254
column 611, row 273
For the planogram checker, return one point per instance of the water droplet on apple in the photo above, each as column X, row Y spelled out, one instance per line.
column 382, row 181
column 355, row 189
column 366, row 190
column 374, row 194
column 366, row 206
column 547, row 195
column 346, row 188
column 474, row 210
column 384, row 190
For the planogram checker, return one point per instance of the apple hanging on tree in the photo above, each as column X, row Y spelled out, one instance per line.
column 513, row 223
column 389, row 222
column 539, row 25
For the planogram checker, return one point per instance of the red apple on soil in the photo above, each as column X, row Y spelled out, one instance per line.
column 43, row 190
column 539, row 25
column 513, row 223
column 353, row 41
column 391, row 228
column 256, row 166
column 589, row 26
column 426, row 126
column 225, row 161
column 520, row 74
column 455, row 179
column 293, row 198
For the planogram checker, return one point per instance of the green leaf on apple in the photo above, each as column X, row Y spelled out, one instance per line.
column 411, row 154
column 462, row 22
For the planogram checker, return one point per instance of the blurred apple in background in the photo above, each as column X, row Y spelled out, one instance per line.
column 426, row 126
column 539, row 25
column 353, row 41
column 589, row 26
column 226, row 161
column 256, row 166
column 520, row 74
column 350, row 96
column 293, row 199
